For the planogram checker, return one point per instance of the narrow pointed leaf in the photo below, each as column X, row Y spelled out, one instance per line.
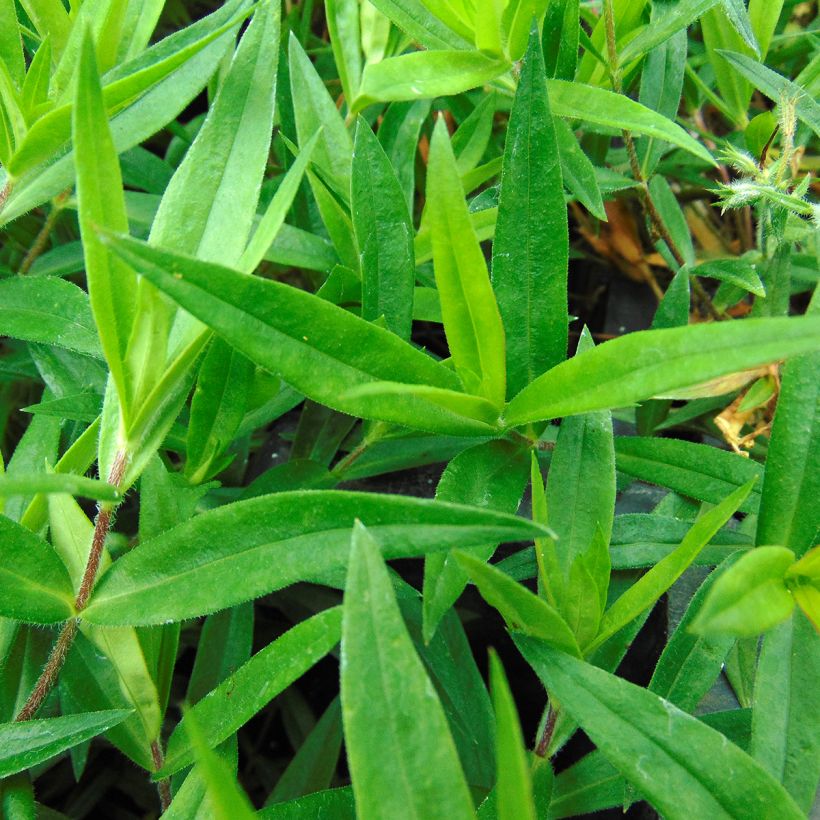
column 513, row 794
column 521, row 609
column 649, row 363
column 36, row 586
column 101, row 203
column 390, row 709
column 50, row 311
column 530, row 251
column 248, row 690
column 682, row 766
column 475, row 334
column 247, row 549
column 209, row 205
column 384, row 234
column 320, row 349
column 26, row 744
column 598, row 106
column 651, row 586
column 427, row 74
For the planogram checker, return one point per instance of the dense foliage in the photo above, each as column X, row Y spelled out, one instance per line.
column 264, row 268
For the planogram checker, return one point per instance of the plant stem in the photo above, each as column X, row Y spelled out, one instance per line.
column 546, row 736
column 164, row 785
column 650, row 207
column 59, row 652
column 48, row 677
column 39, row 244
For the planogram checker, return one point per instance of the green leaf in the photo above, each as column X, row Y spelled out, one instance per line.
column 681, row 15
column 390, row 710
column 316, row 112
column 492, row 474
column 248, row 690
column 318, row 348
column 790, row 497
column 32, row 483
column 338, row 804
column 50, row 19
column 750, row 597
column 695, row 470
column 177, row 82
column 11, row 44
column 427, row 74
column 209, row 206
column 529, row 271
column 217, row 408
column 124, row 87
column 472, row 322
column 577, row 171
column 598, row 106
column 786, row 722
column 520, row 608
column 683, row 767
column 775, row 86
column 513, row 795
column 227, row 800
column 313, row 766
column 47, row 310
column 272, row 222
column 650, row 363
column 740, row 272
column 581, row 484
column 413, row 17
column 35, row 88
column 249, row 548
column 690, row 664
column 399, row 136
column 384, row 234
column 36, row 586
column 343, row 26
column 100, row 202
column 644, row 592
column 26, row 744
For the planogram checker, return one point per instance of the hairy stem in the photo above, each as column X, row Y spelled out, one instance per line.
column 59, row 652
column 48, row 677
column 546, row 736
column 164, row 785
column 651, row 209
column 39, row 244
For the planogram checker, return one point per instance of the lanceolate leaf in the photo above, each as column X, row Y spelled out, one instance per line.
column 683, row 767
column 790, row 502
column 530, row 250
column 514, row 797
column 26, row 744
column 238, row 698
column 384, row 234
column 786, row 722
column 653, row 362
column 36, row 586
column 389, row 707
column 208, row 208
column 163, row 100
column 244, row 550
column 601, row 107
column 695, row 470
column 492, row 474
column 100, row 200
column 651, row 586
column 475, row 334
column 320, row 349
column 47, row 310
column 427, row 74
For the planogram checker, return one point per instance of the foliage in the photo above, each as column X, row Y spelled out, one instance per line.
column 355, row 235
